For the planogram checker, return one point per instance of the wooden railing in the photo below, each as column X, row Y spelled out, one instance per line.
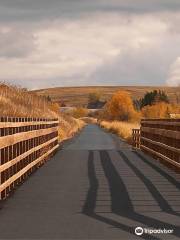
column 25, row 144
column 136, row 138
column 161, row 139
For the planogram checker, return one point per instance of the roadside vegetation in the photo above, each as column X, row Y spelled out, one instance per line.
column 156, row 104
column 79, row 112
column 120, row 107
column 118, row 114
column 17, row 102
column 68, row 126
column 121, row 114
column 122, row 129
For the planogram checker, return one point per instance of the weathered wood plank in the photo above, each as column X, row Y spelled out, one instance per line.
column 20, row 144
column 162, row 123
column 162, row 132
column 4, row 185
column 24, row 124
column 136, row 134
column 161, row 119
column 162, row 145
column 22, row 156
column 18, row 137
column 161, row 156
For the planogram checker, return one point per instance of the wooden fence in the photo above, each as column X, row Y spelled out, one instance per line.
column 161, row 139
column 25, row 144
column 136, row 135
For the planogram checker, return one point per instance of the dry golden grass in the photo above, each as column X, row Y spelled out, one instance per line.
column 78, row 96
column 69, row 126
column 122, row 129
column 161, row 110
column 90, row 120
column 16, row 102
column 80, row 112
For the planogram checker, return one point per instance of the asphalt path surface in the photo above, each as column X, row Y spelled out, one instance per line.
column 95, row 187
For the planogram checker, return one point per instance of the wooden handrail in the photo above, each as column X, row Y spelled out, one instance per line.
column 18, row 137
column 162, row 145
column 24, row 124
column 162, row 132
column 25, row 169
column 161, row 139
column 25, row 144
column 161, row 156
column 161, row 123
column 10, row 163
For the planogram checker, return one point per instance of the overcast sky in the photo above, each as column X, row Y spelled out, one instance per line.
column 48, row 43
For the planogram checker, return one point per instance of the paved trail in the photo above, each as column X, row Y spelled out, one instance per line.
column 96, row 187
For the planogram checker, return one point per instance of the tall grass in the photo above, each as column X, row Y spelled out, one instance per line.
column 17, row 102
column 69, row 126
column 122, row 129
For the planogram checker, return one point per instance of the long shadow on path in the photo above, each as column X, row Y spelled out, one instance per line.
column 163, row 173
column 163, row 204
column 121, row 204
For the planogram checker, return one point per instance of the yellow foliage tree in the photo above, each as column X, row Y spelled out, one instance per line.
column 159, row 110
column 120, row 107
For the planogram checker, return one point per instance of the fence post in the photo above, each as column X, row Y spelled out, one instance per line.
column 136, row 133
column 25, row 144
column 161, row 139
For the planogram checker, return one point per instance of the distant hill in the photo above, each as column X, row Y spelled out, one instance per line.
column 78, row 96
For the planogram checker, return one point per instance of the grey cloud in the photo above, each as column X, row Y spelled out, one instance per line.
column 63, row 81
column 143, row 66
column 32, row 10
column 16, row 43
column 133, row 67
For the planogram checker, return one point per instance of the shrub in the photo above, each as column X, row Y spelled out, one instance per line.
column 94, row 97
column 159, row 110
column 80, row 112
column 120, row 107
column 153, row 97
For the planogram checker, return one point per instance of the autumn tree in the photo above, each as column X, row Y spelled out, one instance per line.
column 94, row 97
column 153, row 97
column 159, row 110
column 120, row 107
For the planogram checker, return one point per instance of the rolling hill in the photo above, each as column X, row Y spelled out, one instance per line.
column 78, row 96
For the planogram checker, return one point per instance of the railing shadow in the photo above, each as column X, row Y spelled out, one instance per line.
column 163, row 204
column 121, row 204
column 117, row 186
column 90, row 203
column 159, row 170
